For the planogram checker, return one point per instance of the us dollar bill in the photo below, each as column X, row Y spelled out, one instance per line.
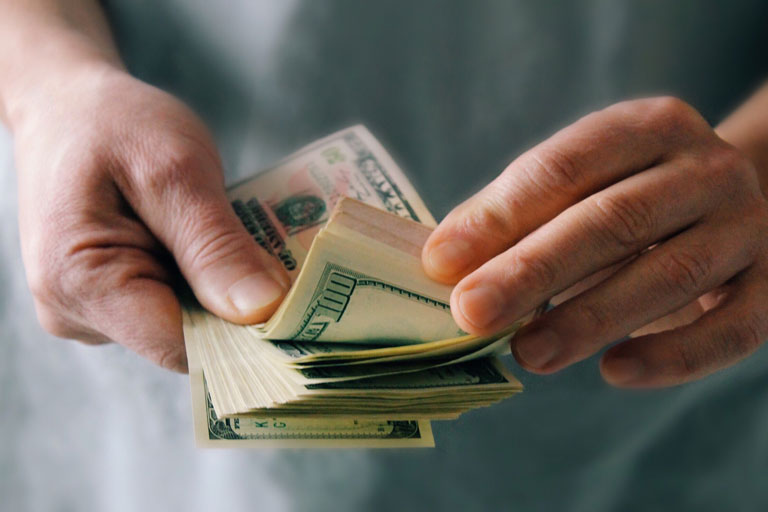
column 275, row 429
column 302, row 431
column 363, row 350
column 245, row 377
column 284, row 207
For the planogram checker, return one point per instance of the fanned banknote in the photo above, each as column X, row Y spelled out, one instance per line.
column 363, row 351
column 283, row 430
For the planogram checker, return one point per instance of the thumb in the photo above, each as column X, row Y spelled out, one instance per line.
column 230, row 274
column 185, row 206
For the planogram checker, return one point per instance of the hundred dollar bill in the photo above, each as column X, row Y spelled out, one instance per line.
column 364, row 349
column 307, row 431
column 244, row 377
column 362, row 282
column 285, row 206
column 273, row 430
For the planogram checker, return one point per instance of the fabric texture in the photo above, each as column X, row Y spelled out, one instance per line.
column 455, row 90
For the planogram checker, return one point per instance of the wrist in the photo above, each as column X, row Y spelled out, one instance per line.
column 49, row 68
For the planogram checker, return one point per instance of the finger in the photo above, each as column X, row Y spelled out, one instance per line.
column 729, row 332
column 602, row 230
column 59, row 325
column 658, row 283
column 594, row 152
column 678, row 318
column 144, row 316
column 591, row 281
column 184, row 204
column 117, row 293
column 124, row 295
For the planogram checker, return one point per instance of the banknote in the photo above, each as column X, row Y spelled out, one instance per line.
column 243, row 377
column 284, row 207
column 363, row 351
column 291, row 431
column 285, row 430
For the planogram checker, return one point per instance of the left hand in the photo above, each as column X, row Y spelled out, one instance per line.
column 648, row 217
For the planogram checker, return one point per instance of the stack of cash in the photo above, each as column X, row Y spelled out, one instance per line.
column 363, row 351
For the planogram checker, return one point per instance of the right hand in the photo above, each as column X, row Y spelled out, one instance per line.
column 118, row 179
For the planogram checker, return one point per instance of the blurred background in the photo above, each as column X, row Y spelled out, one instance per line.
column 455, row 90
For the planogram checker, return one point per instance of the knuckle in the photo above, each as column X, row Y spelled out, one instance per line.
column 74, row 275
column 60, row 268
column 685, row 272
column 670, row 111
column 689, row 360
column 725, row 166
column 625, row 220
column 536, row 272
column 732, row 169
column 671, row 117
column 169, row 357
column 728, row 342
column 552, row 171
column 40, row 282
column 669, row 106
column 171, row 170
column 83, row 274
column 741, row 166
column 597, row 318
column 491, row 219
column 745, row 335
column 53, row 323
column 74, row 287
column 757, row 218
column 44, row 274
column 213, row 245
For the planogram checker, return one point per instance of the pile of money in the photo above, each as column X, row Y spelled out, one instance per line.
column 363, row 351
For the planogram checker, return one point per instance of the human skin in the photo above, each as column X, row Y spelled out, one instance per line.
column 640, row 219
column 120, row 187
column 119, row 184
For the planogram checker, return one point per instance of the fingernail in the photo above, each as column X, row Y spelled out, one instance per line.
column 280, row 276
column 255, row 292
column 482, row 305
column 622, row 370
column 451, row 257
column 538, row 347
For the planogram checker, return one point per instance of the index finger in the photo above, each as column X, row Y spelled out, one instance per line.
column 596, row 151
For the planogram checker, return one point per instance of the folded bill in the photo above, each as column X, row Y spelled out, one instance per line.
column 363, row 351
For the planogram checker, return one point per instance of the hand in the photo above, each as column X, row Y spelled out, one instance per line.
column 116, row 181
column 650, row 214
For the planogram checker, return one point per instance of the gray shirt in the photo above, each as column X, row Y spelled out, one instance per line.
column 455, row 90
